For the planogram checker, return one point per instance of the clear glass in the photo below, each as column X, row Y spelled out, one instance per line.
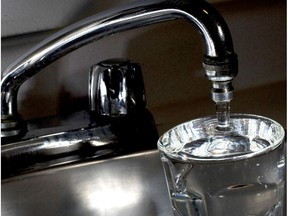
column 239, row 171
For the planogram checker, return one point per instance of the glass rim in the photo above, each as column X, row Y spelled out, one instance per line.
column 231, row 158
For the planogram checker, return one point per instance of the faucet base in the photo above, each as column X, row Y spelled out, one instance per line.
column 12, row 127
column 79, row 139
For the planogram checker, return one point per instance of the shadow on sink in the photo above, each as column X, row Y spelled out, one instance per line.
column 127, row 185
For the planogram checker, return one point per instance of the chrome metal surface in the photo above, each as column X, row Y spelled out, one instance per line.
column 116, row 88
column 77, row 139
column 131, row 185
column 222, row 92
column 54, row 149
column 220, row 62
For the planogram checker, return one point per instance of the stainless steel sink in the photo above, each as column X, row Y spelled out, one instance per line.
column 127, row 185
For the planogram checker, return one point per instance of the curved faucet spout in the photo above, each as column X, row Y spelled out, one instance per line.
column 220, row 62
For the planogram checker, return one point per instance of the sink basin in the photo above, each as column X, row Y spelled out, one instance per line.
column 127, row 185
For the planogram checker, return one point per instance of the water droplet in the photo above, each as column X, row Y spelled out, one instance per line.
column 259, row 180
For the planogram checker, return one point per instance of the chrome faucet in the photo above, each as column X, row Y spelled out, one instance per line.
column 219, row 62
column 117, row 123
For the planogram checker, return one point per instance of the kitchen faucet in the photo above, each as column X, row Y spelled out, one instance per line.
column 219, row 63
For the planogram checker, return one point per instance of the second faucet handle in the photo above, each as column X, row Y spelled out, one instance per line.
column 116, row 88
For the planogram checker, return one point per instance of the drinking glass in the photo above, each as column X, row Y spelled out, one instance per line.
column 236, row 171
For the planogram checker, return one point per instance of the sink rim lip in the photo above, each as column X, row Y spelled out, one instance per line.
column 270, row 148
column 55, row 169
